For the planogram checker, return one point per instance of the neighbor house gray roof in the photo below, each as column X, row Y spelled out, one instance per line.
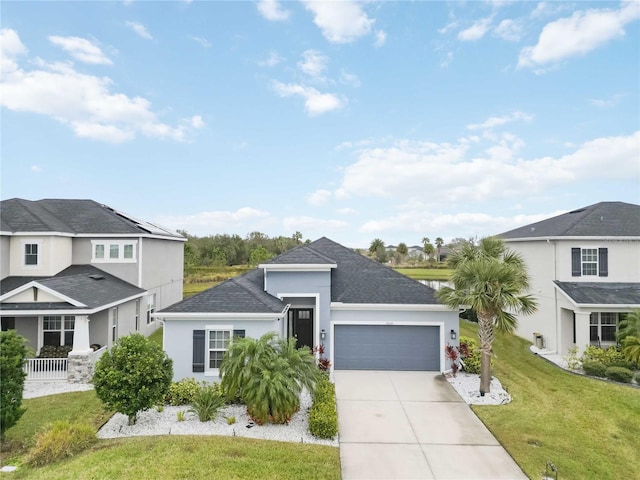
column 73, row 217
column 243, row 294
column 356, row 279
column 599, row 293
column 604, row 219
column 84, row 283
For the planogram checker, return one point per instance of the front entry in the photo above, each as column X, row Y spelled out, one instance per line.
column 301, row 326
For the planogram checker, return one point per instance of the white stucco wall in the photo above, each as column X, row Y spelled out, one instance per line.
column 5, row 251
column 54, row 255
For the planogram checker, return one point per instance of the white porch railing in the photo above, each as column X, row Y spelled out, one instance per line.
column 98, row 353
column 46, row 369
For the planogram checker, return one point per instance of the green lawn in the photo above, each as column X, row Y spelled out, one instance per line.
column 166, row 457
column 426, row 273
column 588, row 428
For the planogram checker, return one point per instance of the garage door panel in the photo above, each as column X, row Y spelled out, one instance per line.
column 387, row 347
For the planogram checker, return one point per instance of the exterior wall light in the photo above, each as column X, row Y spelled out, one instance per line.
column 323, row 334
column 454, row 335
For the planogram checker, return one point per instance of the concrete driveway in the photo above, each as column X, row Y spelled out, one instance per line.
column 413, row 425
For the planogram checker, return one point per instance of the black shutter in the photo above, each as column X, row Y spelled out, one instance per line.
column 603, row 262
column 576, row 265
column 198, row 351
column 239, row 333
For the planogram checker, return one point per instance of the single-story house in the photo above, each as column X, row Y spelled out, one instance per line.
column 367, row 316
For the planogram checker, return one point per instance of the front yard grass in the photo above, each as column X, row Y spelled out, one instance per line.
column 589, row 429
column 166, row 457
column 426, row 273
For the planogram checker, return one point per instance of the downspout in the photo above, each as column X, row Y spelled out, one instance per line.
column 139, row 262
column 555, row 300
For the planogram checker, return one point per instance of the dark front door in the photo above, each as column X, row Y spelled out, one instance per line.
column 301, row 326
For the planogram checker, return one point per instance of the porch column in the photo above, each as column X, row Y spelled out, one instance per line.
column 81, row 336
column 583, row 333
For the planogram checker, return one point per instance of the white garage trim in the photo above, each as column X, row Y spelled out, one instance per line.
column 333, row 324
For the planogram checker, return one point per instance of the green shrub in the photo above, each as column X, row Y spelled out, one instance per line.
column 470, row 354
column 182, row 392
column 134, row 375
column 54, row 351
column 603, row 355
column 207, row 401
column 181, row 415
column 61, row 440
column 323, row 417
column 594, row 368
column 13, row 352
column 619, row 374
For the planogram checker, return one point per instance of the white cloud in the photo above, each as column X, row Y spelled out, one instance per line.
column 347, row 211
column 197, row 122
column 85, row 103
column 350, row 79
column 36, row 169
column 201, row 40
column 139, row 30
column 314, row 64
column 272, row 10
column 578, row 34
column 315, row 102
column 475, row 31
column 304, row 223
column 319, row 197
column 340, row 22
column 272, row 60
column 423, row 170
column 381, row 38
column 81, row 49
column 509, row 30
column 607, row 102
column 492, row 122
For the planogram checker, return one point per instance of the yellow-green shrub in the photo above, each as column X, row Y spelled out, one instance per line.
column 323, row 416
column 61, row 440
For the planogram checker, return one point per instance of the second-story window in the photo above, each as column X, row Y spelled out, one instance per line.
column 31, row 254
column 113, row 251
column 589, row 262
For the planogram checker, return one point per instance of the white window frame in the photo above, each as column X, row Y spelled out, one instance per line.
column 107, row 246
column 583, row 262
column 137, row 315
column 208, row 371
column 151, row 307
column 63, row 329
column 114, row 324
column 38, row 244
column 595, row 320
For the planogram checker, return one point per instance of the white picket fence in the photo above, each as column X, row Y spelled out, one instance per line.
column 48, row 369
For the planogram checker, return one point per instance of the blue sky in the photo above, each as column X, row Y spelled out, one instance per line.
column 355, row 121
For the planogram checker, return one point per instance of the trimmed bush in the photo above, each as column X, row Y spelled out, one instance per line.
column 594, row 368
column 59, row 441
column 13, row 351
column 207, row 401
column 323, row 416
column 607, row 356
column 619, row 374
column 134, row 375
column 182, row 392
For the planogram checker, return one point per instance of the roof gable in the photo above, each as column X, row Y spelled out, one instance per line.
column 604, row 219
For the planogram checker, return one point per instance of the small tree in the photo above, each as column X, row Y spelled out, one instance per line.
column 133, row 376
column 629, row 336
column 13, row 351
column 259, row 255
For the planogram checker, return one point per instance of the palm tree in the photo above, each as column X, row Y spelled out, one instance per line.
column 375, row 245
column 629, row 336
column 489, row 279
column 439, row 243
column 297, row 237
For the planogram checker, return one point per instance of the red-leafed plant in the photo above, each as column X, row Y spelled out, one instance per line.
column 453, row 355
column 323, row 363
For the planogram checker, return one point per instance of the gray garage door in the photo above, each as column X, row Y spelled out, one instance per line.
column 386, row 347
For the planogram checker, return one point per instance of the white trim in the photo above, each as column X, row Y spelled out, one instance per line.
column 298, row 267
column 24, row 313
column 595, row 305
column 316, row 312
column 38, row 243
column 107, row 244
column 212, row 315
column 573, row 239
column 91, row 235
column 392, row 306
column 34, row 283
column 213, row 372
column 441, row 326
column 140, row 263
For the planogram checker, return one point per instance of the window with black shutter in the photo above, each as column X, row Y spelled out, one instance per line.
column 239, row 333
column 576, row 264
column 603, row 262
column 198, row 350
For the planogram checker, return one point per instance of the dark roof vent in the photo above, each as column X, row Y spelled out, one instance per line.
column 578, row 211
column 96, row 276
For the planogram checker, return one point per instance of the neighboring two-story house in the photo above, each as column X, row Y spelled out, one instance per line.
column 366, row 315
column 585, row 272
column 80, row 274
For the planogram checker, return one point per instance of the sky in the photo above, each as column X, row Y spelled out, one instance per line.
column 350, row 120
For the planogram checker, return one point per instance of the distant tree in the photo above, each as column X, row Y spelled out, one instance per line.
column 376, row 243
column 402, row 248
column 133, row 376
column 13, row 352
column 439, row 243
column 297, row 237
column 427, row 247
column 259, row 255
column 489, row 279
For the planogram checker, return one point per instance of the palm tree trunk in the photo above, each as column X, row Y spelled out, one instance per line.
column 485, row 334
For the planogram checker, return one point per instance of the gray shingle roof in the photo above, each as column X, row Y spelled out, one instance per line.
column 74, row 282
column 604, row 219
column 72, row 216
column 243, row 294
column 600, row 293
column 356, row 279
